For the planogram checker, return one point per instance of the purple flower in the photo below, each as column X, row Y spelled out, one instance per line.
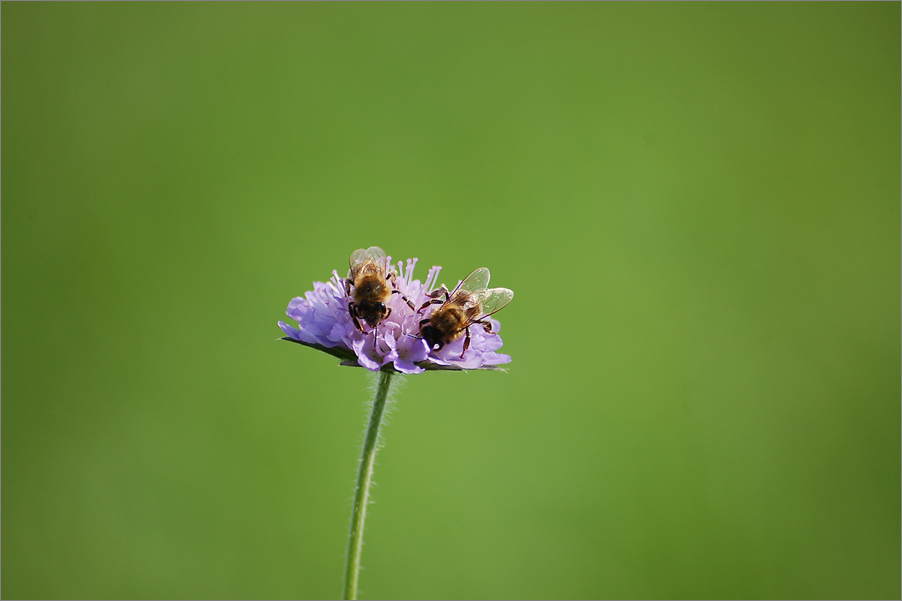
column 325, row 323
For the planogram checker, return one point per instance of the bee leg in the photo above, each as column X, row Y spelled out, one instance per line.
column 387, row 313
column 347, row 287
column 352, row 309
column 406, row 300
column 466, row 343
column 395, row 290
column 435, row 301
column 439, row 292
column 422, row 321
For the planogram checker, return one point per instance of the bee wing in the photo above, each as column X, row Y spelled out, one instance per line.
column 373, row 254
column 493, row 300
column 477, row 281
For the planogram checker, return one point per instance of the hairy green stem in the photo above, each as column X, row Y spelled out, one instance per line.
column 361, row 498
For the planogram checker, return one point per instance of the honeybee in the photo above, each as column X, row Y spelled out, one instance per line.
column 369, row 276
column 471, row 302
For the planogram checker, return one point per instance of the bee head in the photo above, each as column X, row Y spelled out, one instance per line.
column 372, row 312
column 432, row 337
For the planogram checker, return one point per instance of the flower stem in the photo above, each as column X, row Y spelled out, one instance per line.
column 363, row 484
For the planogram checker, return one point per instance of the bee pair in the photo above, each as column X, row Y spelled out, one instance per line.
column 470, row 303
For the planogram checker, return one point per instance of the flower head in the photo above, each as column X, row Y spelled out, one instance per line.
column 325, row 321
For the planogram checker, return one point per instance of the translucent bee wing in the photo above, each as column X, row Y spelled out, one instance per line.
column 372, row 254
column 476, row 281
column 493, row 300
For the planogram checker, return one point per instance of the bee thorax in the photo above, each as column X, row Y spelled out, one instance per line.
column 370, row 288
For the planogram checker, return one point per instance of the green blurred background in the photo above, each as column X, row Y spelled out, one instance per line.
column 697, row 205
